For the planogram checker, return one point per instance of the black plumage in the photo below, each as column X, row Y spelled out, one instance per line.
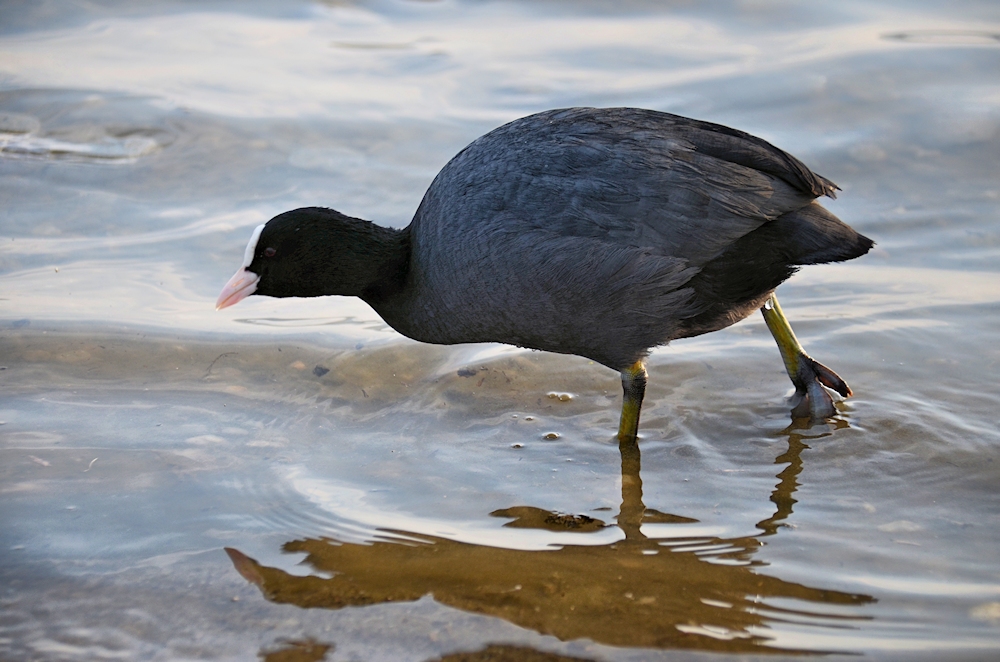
column 597, row 232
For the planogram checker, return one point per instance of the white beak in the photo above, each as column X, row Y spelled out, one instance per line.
column 240, row 286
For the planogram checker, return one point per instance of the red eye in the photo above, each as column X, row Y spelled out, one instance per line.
column 269, row 252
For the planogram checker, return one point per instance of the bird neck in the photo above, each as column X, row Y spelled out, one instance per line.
column 386, row 262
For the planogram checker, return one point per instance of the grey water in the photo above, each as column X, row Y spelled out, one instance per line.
column 292, row 480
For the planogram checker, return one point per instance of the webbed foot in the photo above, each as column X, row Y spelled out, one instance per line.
column 811, row 399
column 808, row 375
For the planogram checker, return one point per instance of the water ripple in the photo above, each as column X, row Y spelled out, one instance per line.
column 107, row 149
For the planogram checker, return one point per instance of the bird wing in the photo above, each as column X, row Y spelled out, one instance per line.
column 678, row 187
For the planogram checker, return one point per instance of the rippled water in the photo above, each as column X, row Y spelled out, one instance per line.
column 292, row 479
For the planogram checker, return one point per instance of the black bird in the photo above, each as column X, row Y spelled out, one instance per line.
column 600, row 232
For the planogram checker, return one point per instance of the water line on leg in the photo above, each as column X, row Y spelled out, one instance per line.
column 633, row 388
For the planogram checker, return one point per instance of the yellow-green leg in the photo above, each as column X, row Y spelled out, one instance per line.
column 808, row 375
column 634, row 387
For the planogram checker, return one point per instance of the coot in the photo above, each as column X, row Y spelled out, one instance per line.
column 601, row 232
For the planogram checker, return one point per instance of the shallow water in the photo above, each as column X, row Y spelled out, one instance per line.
column 292, row 479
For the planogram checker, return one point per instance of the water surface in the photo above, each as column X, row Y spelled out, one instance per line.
column 292, row 478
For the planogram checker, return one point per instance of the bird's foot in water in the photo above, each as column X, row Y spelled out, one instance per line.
column 811, row 400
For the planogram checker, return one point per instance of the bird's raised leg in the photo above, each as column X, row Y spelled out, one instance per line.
column 634, row 386
column 808, row 376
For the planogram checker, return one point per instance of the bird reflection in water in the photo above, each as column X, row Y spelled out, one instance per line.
column 641, row 591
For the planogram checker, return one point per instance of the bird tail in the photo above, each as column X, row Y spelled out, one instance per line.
column 812, row 235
